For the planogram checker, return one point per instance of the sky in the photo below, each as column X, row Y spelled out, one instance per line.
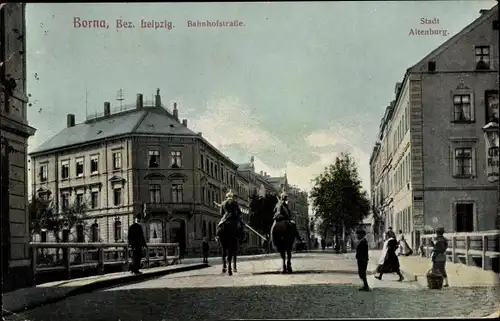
column 294, row 86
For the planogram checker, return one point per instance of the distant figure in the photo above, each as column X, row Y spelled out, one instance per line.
column 137, row 242
column 323, row 244
column 205, row 249
column 390, row 233
column 438, row 258
column 404, row 248
column 362, row 258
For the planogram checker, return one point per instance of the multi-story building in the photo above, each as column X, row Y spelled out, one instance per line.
column 141, row 159
column 14, row 133
column 428, row 166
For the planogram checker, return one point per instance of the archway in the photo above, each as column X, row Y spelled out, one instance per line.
column 178, row 234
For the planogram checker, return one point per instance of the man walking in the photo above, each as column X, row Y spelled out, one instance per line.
column 137, row 242
column 205, row 249
column 362, row 257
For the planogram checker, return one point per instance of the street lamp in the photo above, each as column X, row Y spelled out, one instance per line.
column 492, row 140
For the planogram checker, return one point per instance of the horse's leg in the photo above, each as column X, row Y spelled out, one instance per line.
column 289, row 260
column 234, row 258
column 230, row 252
column 283, row 257
column 224, row 253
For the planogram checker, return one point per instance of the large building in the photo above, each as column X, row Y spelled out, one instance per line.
column 428, row 167
column 142, row 158
column 14, row 133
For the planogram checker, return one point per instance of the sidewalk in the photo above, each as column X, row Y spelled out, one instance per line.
column 240, row 258
column 459, row 275
column 48, row 293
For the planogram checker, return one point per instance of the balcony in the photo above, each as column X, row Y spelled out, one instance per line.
column 168, row 208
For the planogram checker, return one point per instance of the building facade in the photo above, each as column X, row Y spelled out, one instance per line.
column 14, row 133
column 142, row 158
column 428, row 165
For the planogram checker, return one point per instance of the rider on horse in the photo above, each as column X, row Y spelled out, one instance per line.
column 282, row 212
column 230, row 212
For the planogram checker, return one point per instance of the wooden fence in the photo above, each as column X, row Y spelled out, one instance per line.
column 47, row 257
column 476, row 248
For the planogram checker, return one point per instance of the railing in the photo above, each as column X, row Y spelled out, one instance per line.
column 469, row 248
column 78, row 256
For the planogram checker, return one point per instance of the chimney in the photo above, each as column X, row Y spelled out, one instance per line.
column 185, row 122
column 176, row 112
column 158, row 98
column 107, row 108
column 139, row 101
column 71, row 120
column 397, row 88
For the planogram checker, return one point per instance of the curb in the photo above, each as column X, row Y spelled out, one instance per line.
column 495, row 315
column 93, row 286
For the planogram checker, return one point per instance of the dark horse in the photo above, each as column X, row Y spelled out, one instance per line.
column 283, row 238
column 228, row 239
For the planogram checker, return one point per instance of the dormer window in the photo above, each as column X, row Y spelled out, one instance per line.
column 483, row 57
column 175, row 159
column 154, row 159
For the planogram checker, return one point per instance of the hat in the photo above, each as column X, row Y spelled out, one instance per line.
column 230, row 194
column 440, row 230
column 283, row 194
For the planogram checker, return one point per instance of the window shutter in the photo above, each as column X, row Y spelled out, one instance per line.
column 473, row 169
column 472, row 107
column 453, row 162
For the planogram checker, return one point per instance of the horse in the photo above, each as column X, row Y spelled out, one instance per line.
column 228, row 239
column 283, row 237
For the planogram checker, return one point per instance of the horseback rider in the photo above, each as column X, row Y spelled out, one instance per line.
column 230, row 212
column 282, row 212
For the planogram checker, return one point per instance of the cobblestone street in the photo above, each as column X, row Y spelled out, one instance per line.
column 322, row 286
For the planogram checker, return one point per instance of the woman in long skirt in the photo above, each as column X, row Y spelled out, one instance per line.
column 389, row 262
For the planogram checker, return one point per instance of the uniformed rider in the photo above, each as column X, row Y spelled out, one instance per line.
column 230, row 211
column 282, row 212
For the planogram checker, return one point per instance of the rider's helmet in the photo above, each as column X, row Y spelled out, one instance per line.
column 283, row 195
column 230, row 195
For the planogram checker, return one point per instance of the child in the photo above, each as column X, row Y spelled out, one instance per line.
column 362, row 258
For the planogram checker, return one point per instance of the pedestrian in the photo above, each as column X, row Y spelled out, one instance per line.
column 389, row 262
column 137, row 242
column 391, row 233
column 205, row 249
column 438, row 257
column 323, row 244
column 362, row 258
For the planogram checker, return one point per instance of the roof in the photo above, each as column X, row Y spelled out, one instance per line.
column 150, row 120
column 451, row 41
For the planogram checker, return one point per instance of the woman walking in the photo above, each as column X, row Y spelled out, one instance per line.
column 438, row 257
column 389, row 262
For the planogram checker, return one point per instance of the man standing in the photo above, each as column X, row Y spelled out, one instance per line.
column 205, row 249
column 362, row 257
column 230, row 212
column 282, row 212
column 137, row 242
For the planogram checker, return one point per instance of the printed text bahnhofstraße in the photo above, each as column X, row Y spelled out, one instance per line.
column 215, row 23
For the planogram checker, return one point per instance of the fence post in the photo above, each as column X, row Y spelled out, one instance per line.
column 453, row 248
column 100, row 264
column 485, row 259
column 147, row 257
column 67, row 252
column 34, row 256
column 165, row 254
column 126, row 257
column 467, row 248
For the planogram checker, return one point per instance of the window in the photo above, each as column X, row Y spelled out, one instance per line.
column 202, row 162
column 44, row 173
column 94, row 199
column 79, row 200
column 463, row 162
column 94, row 231
column 464, row 213
column 117, row 160
column 94, row 164
column 79, row 167
column 216, row 171
column 177, row 193
column 154, row 159
column 206, row 165
column 462, row 108
column 117, row 196
column 118, row 230
column 64, row 169
column 175, row 159
column 203, row 195
column 483, row 57
column 80, row 236
column 204, row 228
column 155, row 193
column 64, row 201
column 491, row 106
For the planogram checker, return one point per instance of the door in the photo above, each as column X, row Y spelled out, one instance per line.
column 178, row 234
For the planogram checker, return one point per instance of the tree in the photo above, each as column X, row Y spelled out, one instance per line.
column 262, row 209
column 338, row 198
column 45, row 216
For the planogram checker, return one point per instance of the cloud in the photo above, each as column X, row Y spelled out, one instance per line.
column 228, row 124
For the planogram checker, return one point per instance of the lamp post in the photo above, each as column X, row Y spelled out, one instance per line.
column 492, row 138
